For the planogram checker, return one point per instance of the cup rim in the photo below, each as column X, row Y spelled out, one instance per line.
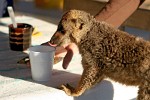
column 41, row 46
column 29, row 26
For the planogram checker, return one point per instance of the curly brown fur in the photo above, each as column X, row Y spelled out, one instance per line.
column 106, row 53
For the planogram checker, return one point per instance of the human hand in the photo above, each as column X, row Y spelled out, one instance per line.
column 66, row 51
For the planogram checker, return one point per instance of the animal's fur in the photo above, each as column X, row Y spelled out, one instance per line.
column 106, row 53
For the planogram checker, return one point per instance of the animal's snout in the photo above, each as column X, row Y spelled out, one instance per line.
column 56, row 38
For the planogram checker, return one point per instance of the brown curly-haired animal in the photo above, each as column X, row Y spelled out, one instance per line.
column 106, row 53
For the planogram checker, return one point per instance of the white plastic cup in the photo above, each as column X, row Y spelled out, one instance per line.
column 41, row 60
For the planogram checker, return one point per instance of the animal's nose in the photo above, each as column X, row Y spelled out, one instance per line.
column 52, row 42
column 55, row 39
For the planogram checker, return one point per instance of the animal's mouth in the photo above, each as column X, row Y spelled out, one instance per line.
column 55, row 43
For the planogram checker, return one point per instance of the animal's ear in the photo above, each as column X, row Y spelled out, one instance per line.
column 78, row 23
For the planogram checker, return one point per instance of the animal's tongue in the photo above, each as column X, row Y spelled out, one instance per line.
column 53, row 45
column 49, row 44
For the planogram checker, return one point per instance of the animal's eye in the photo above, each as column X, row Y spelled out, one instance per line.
column 61, row 29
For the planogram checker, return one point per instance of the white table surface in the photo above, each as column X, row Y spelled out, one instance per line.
column 16, row 82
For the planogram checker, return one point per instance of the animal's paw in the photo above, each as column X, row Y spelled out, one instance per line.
column 67, row 88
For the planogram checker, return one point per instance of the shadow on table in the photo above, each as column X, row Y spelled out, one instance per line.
column 102, row 91
column 9, row 58
column 17, row 72
column 3, row 41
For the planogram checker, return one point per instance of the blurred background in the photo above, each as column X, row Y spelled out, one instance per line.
column 48, row 10
column 52, row 10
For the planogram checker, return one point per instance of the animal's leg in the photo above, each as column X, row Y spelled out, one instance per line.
column 144, row 91
column 91, row 75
